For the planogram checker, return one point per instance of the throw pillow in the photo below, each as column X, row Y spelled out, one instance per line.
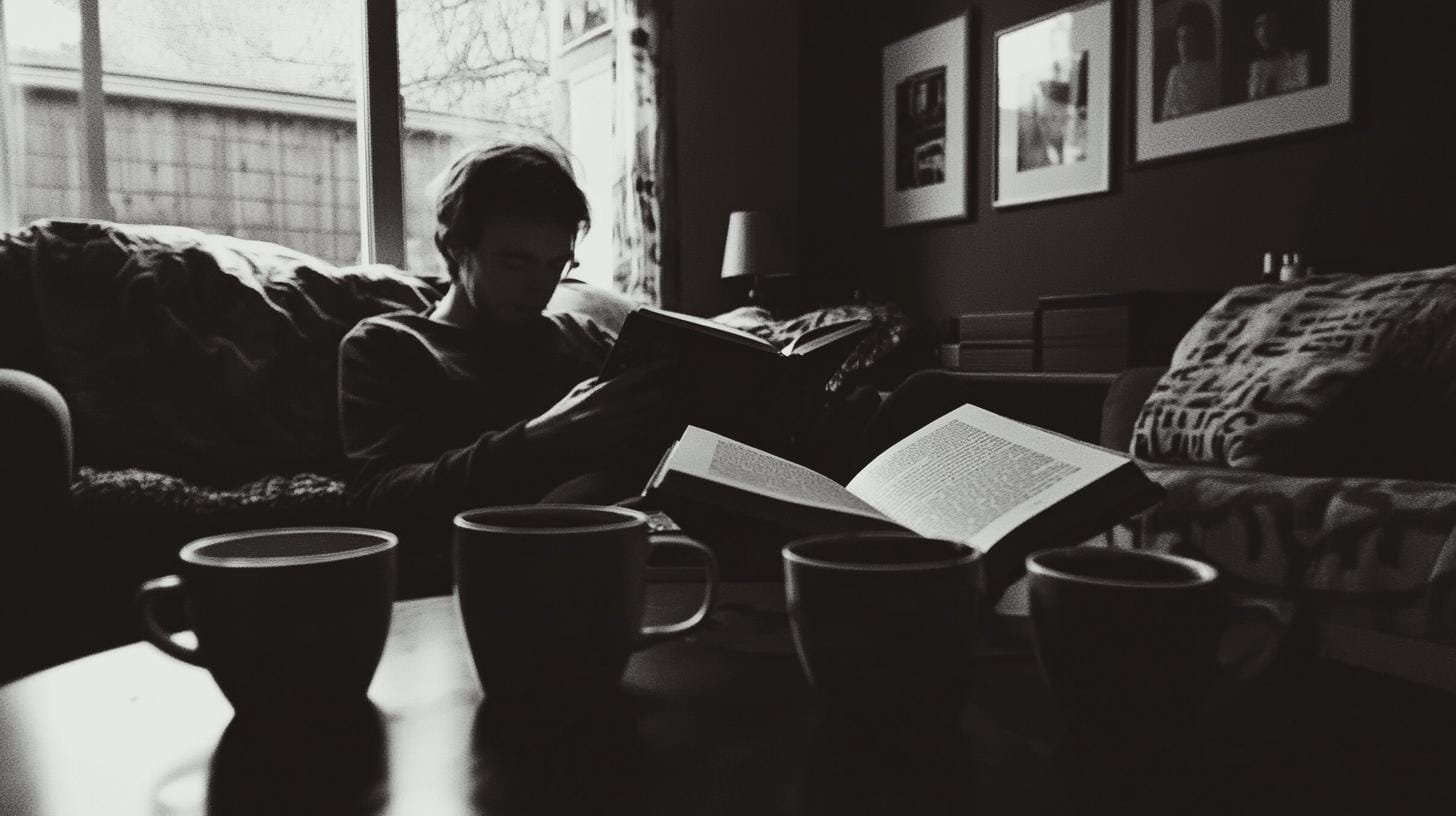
column 1342, row 375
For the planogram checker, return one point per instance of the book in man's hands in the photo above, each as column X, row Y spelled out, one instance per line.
column 732, row 382
column 1002, row 486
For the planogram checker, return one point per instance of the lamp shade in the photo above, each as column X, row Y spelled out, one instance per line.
column 750, row 247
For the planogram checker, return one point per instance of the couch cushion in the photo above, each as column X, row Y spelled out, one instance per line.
column 1329, row 375
column 204, row 356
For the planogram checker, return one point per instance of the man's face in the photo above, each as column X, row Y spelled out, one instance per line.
column 509, row 274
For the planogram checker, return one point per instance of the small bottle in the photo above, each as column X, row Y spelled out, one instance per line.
column 1270, row 275
column 1299, row 271
column 1288, row 272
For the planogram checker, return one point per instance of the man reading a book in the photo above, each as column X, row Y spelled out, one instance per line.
column 485, row 400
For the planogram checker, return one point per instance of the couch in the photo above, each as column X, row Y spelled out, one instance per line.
column 192, row 380
column 1304, row 436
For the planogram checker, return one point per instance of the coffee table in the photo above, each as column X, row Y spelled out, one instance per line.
column 723, row 723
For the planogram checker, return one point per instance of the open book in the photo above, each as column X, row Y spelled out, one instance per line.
column 1002, row 486
column 730, row 381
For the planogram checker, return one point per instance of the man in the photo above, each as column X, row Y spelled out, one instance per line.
column 485, row 400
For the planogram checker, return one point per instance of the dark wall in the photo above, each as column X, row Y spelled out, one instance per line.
column 737, row 110
column 1366, row 197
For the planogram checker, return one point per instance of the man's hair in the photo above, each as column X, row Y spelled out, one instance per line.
column 511, row 180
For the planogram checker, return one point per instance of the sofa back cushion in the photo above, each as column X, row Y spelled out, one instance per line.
column 1328, row 375
column 204, row 356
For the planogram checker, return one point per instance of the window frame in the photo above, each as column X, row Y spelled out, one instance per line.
column 381, row 136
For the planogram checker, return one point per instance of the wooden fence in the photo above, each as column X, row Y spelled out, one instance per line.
column 279, row 177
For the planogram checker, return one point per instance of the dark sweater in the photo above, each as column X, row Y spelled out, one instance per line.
column 433, row 416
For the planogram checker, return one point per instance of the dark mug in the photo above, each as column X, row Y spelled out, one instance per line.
column 1128, row 641
column 883, row 618
column 291, row 619
column 552, row 596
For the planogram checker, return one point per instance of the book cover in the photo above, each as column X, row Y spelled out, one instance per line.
column 733, row 382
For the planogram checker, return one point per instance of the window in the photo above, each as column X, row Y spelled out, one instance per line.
column 583, row 70
column 218, row 115
column 589, row 112
column 467, row 72
column 242, row 118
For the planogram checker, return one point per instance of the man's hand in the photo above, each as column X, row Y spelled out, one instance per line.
column 604, row 423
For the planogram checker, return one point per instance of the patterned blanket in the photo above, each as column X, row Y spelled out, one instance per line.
column 1329, row 375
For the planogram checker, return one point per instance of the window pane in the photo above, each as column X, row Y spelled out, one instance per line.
column 229, row 117
column 590, row 113
column 468, row 72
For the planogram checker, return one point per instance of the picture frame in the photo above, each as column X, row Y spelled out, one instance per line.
column 1212, row 86
column 1053, row 106
column 924, row 99
column 576, row 22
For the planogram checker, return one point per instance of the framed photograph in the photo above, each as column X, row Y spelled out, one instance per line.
column 1212, row 73
column 578, row 21
column 1054, row 105
column 924, row 98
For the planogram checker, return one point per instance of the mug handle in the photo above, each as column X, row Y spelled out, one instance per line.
column 653, row 635
column 146, row 598
column 1247, row 664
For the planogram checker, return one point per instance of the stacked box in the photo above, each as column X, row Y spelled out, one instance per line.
column 992, row 341
column 1112, row 331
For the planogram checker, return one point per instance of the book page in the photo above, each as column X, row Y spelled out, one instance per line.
column 817, row 338
column 974, row 476
column 717, row 458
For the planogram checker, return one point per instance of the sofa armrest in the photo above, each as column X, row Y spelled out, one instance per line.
column 1125, row 398
column 37, row 458
column 41, row 580
column 1069, row 404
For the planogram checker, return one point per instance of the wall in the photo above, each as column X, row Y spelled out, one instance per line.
column 1365, row 197
column 737, row 114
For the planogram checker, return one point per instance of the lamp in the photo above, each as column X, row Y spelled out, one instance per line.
column 752, row 248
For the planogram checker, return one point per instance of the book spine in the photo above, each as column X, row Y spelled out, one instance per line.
column 1092, row 358
column 997, row 326
column 995, row 357
column 1094, row 324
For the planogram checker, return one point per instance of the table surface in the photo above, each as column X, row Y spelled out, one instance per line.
column 722, row 722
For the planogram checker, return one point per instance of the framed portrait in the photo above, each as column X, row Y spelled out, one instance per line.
column 1054, row 105
column 578, row 21
column 924, row 106
column 1212, row 73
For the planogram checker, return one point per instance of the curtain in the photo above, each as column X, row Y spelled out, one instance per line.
column 642, row 149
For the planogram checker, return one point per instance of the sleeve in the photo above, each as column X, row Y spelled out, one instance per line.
column 404, row 472
column 594, row 339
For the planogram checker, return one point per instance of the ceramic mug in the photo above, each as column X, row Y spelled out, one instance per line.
column 286, row 619
column 552, row 596
column 1129, row 640
column 883, row 617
